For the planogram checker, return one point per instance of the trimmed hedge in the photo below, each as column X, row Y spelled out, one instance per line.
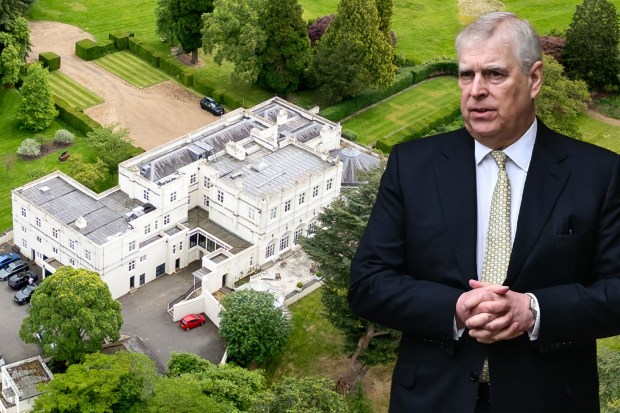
column 173, row 67
column 203, row 84
column 144, row 51
column 74, row 117
column 106, row 47
column 120, row 39
column 50, row 60
column 87, row 49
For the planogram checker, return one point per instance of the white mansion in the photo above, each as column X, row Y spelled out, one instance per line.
column 236, row 194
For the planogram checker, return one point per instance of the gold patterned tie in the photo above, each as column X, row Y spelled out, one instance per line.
column 497, row 254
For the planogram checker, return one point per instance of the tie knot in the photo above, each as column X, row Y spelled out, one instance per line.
column 500, row 159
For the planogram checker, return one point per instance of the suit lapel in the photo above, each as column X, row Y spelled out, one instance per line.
column 546, row 179
column 455, row 171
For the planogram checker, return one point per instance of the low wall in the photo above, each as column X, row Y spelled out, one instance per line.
column 180, row 310
column 298, row 296
column 6, row 237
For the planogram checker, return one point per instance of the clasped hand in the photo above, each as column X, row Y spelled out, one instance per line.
column 493, row 312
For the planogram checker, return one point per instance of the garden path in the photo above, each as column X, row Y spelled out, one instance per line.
column 153, row 115
column 599, row 116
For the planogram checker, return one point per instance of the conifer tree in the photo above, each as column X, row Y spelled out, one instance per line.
column 36, row 111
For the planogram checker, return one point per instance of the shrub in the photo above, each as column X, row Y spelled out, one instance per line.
column 74, row 117
column 300, row 284
column 50, row 60
column 64, row 137
column 87, row 49
column 43, row 139
column 29, row 147
column 144, row 51
column 121, row 40
column 317, row 28
column 349, row 135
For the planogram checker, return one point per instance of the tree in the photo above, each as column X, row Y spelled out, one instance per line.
column 355, row 51
column 10, row 10
column 102, row 383
column 309, row 394
column 36, row 110
column 594, row 28
column 164, row 24
column 561, row 100
column 255, row 330
column 112, row 146
column 182, row 395
column 317, row 29
column 332, row 247
column 233, row 32
column 187, row 18
column 384, row 11
column 75, row 310
column 287, row 47
column 88, row 174
column 10, row 65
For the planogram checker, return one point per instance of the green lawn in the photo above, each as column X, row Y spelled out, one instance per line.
column 600, row 133
column 72, row 92
column 131, row 68
column 411, row 109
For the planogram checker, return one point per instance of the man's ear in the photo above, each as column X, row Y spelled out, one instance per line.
column 536, row 77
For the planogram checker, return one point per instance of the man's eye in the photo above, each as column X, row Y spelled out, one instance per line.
column 466, row 76
column 495, row 75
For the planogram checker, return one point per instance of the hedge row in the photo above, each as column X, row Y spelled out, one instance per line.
column 74, row 117
column 407, row 77
column 90, row 50
column 50, row 60
column 415, row 132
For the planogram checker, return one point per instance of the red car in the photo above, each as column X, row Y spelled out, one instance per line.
column 191, row 320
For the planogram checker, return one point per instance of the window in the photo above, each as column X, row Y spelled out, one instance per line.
column 25, row 243
column 251, row 261
column 193, row 240
column 287, row 206
column 132, row 245
column 54, row 233
column 156, row 223
column 315, row 191
column 192, row 179
column 72, row 261
column 145, row 194
column 251, row 213
column 24, row 229
column 173, row 196
column 181, row 246
column 160, row 270
column 131, row 265
column 23, row 212
column 142, row 258
column 296, row 235
column 311, row 228
column 174, row 248
column 220, row 196
column 142, row 279
column 38, row 239
column 205, row 200
column 270, row 250
column 274, row 212
column 147, row 229
column 87, row 254
column 55, row 250
column 37, row 221
column 302, row 198
column 207, row 182
column 72, row 244
column 330, row 183
column 284, row 242
column 166, row 219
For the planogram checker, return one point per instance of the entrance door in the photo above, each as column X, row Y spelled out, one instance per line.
column 177, row 264
column 224, row 280
column 132, row 282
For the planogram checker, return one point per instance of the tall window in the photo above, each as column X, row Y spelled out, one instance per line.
column 173, row 196
column 330, row 183
column 302, row 198
column 131, row 265
column 274, row 212
column 192, row 179
column 132, row 245
column 181, row 246
column 54, row 232
column 146, row 194
column 220, row 196
column 207, row 182
column 160, row 270
column 37, row 221
column 23, row 212
column 315, row 191
column 72, row 244
column 270, row 250
column 251, row 213
column 142, row 258
column 166, row 219
column 174, row 248
column 284, row 242
column 147, row 229
column 205, row 200
column 287, row 206
column 87, row 254
column 296, row 235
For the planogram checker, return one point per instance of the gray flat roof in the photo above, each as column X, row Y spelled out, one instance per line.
column 104, row 217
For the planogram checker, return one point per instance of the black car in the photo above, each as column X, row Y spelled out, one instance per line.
column 212, row 106
column 8, row 258
column 12, row 269
column 23, row 296
column 21, row 279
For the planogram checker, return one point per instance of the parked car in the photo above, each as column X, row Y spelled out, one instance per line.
column 22, row 279
column 23, row 296
column 191, row 320
column 211, row 105
column 12, row 268
column 8, row 258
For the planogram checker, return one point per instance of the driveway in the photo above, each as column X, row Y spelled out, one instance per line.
column 145, row 315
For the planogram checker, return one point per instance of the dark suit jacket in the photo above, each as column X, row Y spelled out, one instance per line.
column 419, row 251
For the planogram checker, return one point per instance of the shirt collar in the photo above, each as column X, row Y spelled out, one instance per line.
column 520, row 152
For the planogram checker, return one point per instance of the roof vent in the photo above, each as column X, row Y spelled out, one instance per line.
column 80, row 222
column 44, row 189
column 261, row 166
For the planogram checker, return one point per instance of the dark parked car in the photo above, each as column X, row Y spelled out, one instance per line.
column 23, row 296
column 12, row 268
column 8, row 258
column 191, row 321
column 22, row 279
column 212, row 106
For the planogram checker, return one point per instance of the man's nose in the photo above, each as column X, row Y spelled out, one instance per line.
column 479, row 86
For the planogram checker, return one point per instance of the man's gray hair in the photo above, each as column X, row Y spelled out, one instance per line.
column 519, row 33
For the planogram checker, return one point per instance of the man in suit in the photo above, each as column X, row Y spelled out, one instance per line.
column 495, row 249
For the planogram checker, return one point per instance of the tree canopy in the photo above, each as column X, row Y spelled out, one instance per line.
column 591, row 52
column 112, row 145
column 10, row 10
column 332, row 247
column 75, row 311
column 254, row 329
column 36, row 110
column 185, row 17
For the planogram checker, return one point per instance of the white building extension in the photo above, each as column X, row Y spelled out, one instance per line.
column 237, row 194
column 19, row 384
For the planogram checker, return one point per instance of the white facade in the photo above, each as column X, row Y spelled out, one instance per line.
column 235, row 194
column 18, row 384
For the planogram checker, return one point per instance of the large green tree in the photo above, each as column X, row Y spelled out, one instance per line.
column 102, row 383
column 183, row 395
column 10, row 10
column 355, row 53
column 164, row 24
column 287, row 47
column 76, row 312
column 332, row 247
column 591, row 52
column 561, row 100
column 112, row 145
column 9, row 65
column 36, row 110
column 187, row 18
column 254, row 329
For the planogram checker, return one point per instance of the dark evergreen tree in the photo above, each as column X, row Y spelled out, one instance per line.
column 287, row 48
column 341, row 226
column 591, row 52
column 10, row 10
column 187, row 15
column 384, row 9
column 164, row 24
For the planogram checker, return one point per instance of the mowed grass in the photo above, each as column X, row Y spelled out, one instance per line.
column 72, row 92
column 600, row 133
column 131, row 68
column 410, row 110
